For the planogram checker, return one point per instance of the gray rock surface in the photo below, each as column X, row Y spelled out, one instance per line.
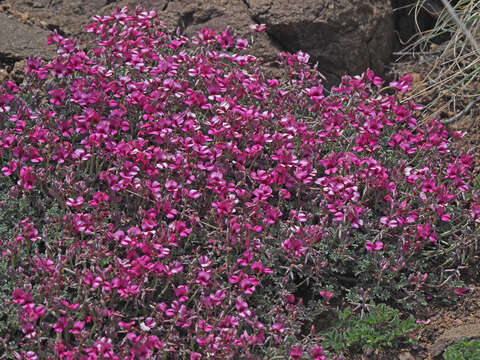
column 343, row 36
column 453, row 336
column 19, row 41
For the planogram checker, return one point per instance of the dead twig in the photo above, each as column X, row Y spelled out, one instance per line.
column 460, row 114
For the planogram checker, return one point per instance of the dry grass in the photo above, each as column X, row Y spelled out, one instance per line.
column 449, row 84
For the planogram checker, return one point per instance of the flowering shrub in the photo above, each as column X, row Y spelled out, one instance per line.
column 174, row 203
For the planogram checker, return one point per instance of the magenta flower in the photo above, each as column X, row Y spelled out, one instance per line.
column 403, row 85
column 241, row 44
column 27, row 177
column 61, row 324
column 30, row 355
column 202, row 278
column 34, row 312
column 181, row 292
column 75, row 203
column 258, row 27
column 248, row 284
column 426, row 232
column 10, row 169
column 77, row 327
column 4, row 100
column 296, row 352
column 263, row 192
column 58, row 96
column 126, row 325
column 460, row 291
column 475, row 212
column 326, row 294
column 317, row 353
column 21, row 297
column 294, row 245
column 375, row 246
column 195, row 356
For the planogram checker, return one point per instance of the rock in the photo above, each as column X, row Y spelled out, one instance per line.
column 3, row 75
column 405, row 355
column 343, row 36
column 231, row 13
column 193, row 15
column 19, row 41
column 454, row 335
column 18, row 72
column 69, row 16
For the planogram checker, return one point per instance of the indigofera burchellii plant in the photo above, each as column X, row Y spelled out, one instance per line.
column 182, row 205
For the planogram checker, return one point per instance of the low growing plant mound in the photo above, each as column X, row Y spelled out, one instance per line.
column 162, row 198
column 463, row 350
column 380, row 328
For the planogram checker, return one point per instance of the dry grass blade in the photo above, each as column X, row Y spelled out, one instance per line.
column 461, row 25
column 452, row 68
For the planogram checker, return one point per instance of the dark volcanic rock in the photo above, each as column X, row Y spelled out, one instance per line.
column 68, row 16
column 341, row 35
column 193, row 15
column 19, row 41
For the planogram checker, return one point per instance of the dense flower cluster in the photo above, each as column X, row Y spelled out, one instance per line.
column 193, row 208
